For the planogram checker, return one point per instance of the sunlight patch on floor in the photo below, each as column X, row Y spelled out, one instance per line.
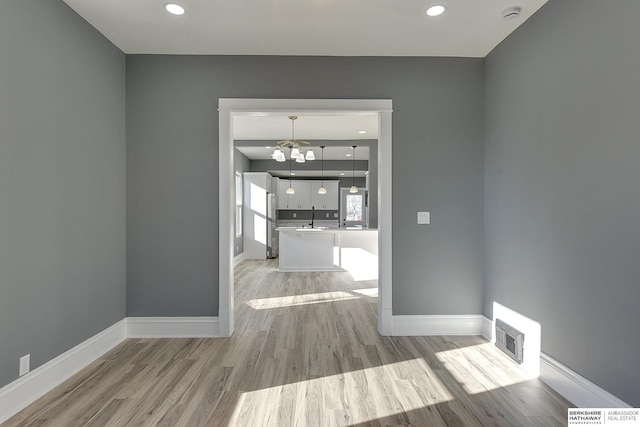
column 315, row 402
column 368, row 292
column 296, row 300
column 362, row 265
column 478, row 372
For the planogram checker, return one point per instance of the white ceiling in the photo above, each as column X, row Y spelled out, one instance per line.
column 278, row 127
column 468, row 28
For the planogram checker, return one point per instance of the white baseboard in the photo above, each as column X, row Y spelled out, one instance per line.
column 238, row 258
column 576, row 388
column 25, row 390
column 417, row 325
column 487, row 328
column 385, row 322
column 173, row 327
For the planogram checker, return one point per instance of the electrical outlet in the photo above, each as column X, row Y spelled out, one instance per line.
column 295, row 215
column 327, row 214
column 25, row 364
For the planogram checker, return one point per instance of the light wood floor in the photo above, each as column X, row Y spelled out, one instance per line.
column 306, row 353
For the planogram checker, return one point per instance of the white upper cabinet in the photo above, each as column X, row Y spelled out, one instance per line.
column 306, row 195
column 328, row 201
column 303, row 194
column 283, row 197
column 299, row 200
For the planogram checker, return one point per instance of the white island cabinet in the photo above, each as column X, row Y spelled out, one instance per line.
column 329, row 249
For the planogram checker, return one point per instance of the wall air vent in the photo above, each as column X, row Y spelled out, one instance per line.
column 510, row 340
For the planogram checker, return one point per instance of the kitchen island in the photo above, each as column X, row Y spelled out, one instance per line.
column 328, row 249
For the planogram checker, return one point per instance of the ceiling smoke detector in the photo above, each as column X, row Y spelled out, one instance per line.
column 511, row 12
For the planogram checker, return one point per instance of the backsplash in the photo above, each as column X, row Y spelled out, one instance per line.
column 306, row 215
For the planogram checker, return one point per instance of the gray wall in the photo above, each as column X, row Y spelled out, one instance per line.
column 62, row 182
column 172, row 170
column 562, row 185
column 241, row 163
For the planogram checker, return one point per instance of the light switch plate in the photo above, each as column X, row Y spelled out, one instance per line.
column 424, row 217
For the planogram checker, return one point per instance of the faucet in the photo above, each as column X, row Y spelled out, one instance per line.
column 313, row 215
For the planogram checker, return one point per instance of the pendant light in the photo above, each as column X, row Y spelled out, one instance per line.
column 353, row 188
column 310, row 154
column 322, row 189
column 290, row 190
column 278, row 155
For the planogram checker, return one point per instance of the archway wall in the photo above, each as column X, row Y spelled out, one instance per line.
column 172, row 171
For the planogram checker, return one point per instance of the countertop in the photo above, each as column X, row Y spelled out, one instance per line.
column 308, row 229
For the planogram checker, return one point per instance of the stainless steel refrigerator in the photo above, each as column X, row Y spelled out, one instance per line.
column 272, row 234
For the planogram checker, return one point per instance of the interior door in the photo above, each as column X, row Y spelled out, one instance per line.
column 353, row 208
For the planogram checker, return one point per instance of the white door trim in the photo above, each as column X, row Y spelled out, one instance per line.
column 227, row 109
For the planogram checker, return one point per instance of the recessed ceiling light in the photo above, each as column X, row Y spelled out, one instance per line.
column 293, row 173
column 436, row 10
column 348, row 154
column 174, row 9
column 362, row 131
column 267, row 147
column 341, row 173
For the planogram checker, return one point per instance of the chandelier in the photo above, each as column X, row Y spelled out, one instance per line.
column 295, row 145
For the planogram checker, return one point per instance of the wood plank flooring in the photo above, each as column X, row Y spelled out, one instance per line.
column 305, row 353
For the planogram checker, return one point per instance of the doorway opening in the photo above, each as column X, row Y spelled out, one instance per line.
column 353, row 208
column 230, row 108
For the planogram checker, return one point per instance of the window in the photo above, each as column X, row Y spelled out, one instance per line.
column 355, row 204
column 239, row 198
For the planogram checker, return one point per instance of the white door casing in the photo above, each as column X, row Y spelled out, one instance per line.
column 230, row 107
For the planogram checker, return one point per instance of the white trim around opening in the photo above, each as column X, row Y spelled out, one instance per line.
column 227, row 109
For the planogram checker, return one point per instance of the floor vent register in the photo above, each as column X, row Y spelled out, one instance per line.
column 510, row 340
